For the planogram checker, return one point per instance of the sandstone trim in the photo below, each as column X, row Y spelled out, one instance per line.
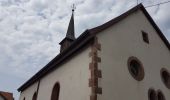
column 94, row 71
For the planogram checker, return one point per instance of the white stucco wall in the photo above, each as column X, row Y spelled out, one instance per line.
column 1, row 98
column 73, row 77
column 29, row 92
column 118, row 43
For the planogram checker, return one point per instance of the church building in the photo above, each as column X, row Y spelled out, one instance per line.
column 126, row 58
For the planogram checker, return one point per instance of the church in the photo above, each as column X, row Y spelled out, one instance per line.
column 126, row 58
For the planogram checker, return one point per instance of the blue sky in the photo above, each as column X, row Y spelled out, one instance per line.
column 30, row 31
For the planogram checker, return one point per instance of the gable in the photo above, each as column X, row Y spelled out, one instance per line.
column 116, row 20
column 125, row 37
column 123, row 41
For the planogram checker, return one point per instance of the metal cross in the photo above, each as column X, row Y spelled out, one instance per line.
column 73, row 7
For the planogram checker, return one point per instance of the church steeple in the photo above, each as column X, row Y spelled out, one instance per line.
column 70, row 31
column 70, row 37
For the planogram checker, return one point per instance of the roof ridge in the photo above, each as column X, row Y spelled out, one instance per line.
column 115, row 20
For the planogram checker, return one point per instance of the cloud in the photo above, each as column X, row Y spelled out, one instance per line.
column 30, row 30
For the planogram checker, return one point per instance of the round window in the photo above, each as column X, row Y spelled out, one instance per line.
column 165, row 75
column 135, row 68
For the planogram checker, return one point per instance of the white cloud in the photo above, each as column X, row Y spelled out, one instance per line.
column 30, row 30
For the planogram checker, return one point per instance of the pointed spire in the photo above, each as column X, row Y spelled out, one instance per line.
column 70, row 36
column 70, row 31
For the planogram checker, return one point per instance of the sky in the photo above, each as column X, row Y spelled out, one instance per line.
column 30, row 31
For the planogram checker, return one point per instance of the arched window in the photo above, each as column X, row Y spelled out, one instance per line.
column 34, row 96
column 152, row 94
column 160, row 95
column 165, row 75
column 55, row 92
